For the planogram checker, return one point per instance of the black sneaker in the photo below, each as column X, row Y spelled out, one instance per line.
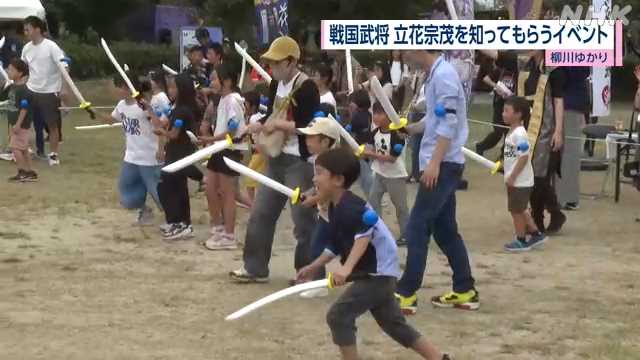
column 30, row 176
column 402, row 242
column 242, row 276
column 447, row 357
column 556, row 223
column 18, row 177
column 571, row 206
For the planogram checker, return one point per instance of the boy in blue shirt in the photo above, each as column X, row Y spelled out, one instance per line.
column 368, row 256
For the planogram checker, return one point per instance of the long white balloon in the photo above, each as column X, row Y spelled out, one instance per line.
column 398, row 123
column 277, row 296
column 294, row 195
column 169, row 70
column 349, row 71
column 134, row 92
column 358, row 149
column 199, row 155
column 101, row 126
column 252, row 62
column 452, row 10
column 84, row 104
column 493, row 166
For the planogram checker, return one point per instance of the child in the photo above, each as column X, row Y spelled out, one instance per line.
column 367, row 253
column 360, row 127
column 323, row 78
column 257, row 162
column 389, row 172
column 140, row 172
column 20, row 117
column 322, row 135
column 222, row 181
column 518, row 175
column 172, row 189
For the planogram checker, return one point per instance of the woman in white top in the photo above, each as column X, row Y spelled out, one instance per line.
column 222, row 181
column 323, row 77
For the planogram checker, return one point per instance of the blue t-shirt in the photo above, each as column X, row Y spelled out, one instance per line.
column 346, row 225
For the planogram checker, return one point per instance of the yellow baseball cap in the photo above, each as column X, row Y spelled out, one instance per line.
column 322, row 126
column 281, row 48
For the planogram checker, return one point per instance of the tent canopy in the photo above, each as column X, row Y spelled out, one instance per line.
column 20, row 9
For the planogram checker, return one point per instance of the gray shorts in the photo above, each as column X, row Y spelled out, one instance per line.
column 518, row 198
column 377, row 296
column 47, row 107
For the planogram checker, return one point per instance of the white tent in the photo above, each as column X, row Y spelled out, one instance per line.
column 20, row 9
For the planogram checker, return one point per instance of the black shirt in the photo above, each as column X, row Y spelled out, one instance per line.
column 182, row 146
column 576, row 95
column 507, row 72
column 361, row 126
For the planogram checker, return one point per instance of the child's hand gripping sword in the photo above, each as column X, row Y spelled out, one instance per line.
column 134, row 93
column 85, row 105
column 398, row 123
column 197, row 156
column 294, row 195
column 252, row 62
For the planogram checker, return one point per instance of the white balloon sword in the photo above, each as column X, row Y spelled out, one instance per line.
column 169, row 70
column 85, row 105
column 349, row 71
column 134, row 93
column 3, row 73
column 294, row 195
column 252, row 62
column 101, row 126
column 358, row 149
column 216, row 147
column 398, row 123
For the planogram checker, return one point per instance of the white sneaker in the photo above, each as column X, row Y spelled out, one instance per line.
column 165, row 228
column 178, row 232
column 315, row 293
column 54, row 160
column 221, row 242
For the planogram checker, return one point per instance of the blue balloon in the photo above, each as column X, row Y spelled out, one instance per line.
column 318, row 114
column 159, row 113
column 398, row 148
column 370, row 217
column 178, row 123
column 264, row 100
column 522, row 147
column 66, row 60
column 24, row 103
column 233, row 124
column 440, row 111
column 348, row 127
column 338, row 118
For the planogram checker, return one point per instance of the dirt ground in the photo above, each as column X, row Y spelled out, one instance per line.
column 78, row 281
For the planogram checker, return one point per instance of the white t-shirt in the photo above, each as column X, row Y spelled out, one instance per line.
column 142, row 143
column 397, row 71
column 44, row 76
column 328, row 98
column 291, row 145
column 160, row 103
column 231, row 106
column 384, row 143
column 516, row 137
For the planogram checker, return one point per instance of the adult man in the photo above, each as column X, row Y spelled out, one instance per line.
column 293, row 100
column 45, row 81
column 434, row 211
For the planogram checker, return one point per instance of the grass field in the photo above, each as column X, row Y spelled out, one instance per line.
column 78, row 281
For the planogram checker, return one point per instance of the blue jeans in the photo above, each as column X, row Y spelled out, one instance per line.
column 415, row 155
column 434, row 212
column 366, row 177
column 135, row 182
column 319, row 243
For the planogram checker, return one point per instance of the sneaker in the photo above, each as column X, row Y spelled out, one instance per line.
column 408, row 305
column 517, row 246
column 221, row 242
column 179, row 231
column 164, row 228
column 571, row 206
column 242, row 276
column 18, row 177
column 216, row 230
column 315, row 293
column 556, row 223
column 145, row 217
column 30, row 176
column 54, row 160
column 469, row 300
column 401, row 242
column 537, row 239
column 447, row 357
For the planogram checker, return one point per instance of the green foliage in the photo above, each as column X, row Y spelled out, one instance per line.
column 90, row 61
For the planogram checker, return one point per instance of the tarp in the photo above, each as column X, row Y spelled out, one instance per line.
column 20, row 9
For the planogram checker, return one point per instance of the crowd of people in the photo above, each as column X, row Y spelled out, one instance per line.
column 296, row 141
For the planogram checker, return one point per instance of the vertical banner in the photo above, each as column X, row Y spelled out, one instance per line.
column 600, row 76
column 272, row 19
